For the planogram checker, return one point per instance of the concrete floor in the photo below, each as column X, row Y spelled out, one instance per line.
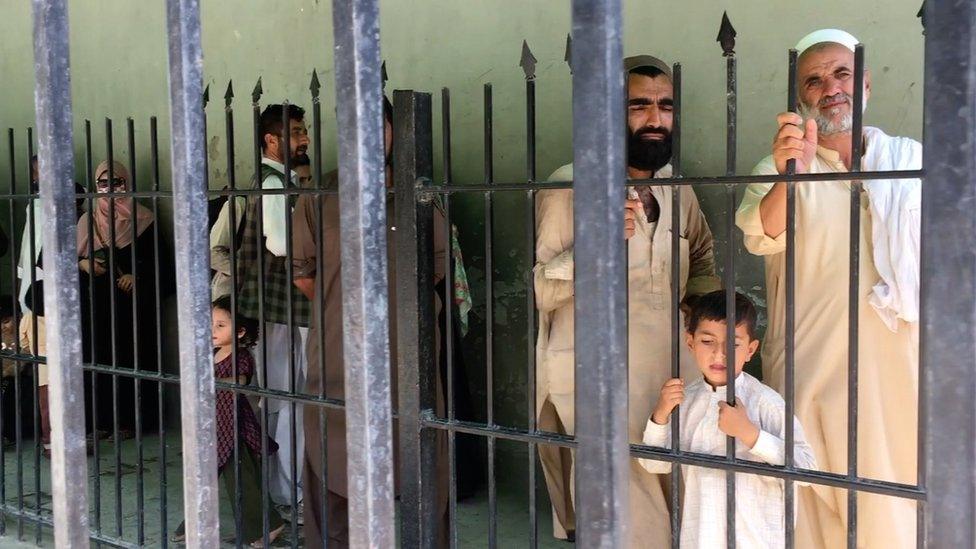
column 512, row 520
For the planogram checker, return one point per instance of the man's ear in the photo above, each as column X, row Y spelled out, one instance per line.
column 270, row 141
column 867, row 84
column 689, row 340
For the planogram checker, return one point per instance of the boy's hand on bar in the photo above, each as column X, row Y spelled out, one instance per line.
column 672, row 393
column 794, row 140
column 733, row 421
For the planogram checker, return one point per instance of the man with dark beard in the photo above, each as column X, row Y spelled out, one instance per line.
column 646, row 220
column 265, row 222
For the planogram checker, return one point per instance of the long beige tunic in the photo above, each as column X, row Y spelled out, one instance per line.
column 888, row 362
column 649, row 338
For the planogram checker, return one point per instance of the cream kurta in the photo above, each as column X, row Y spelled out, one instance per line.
column 888, row 362
column 649, row 337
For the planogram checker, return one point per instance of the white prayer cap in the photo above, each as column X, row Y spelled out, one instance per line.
column 835, row 36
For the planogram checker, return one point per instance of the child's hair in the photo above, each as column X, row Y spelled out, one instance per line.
column 711, row 306
column 248, row 325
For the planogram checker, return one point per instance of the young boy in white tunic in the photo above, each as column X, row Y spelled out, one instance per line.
column 756, row 422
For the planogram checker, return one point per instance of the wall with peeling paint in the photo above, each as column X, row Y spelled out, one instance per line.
column 119, row 70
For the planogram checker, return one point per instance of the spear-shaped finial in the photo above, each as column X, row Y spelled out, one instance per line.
column 206, row 96
column 257, row 91
column 726, row 36
column 921, row 15
column 314, row 86
column 383, row 74
column 528, row 61
column 229, row 94
column 569, row 52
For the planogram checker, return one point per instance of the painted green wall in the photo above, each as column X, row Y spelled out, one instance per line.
column 118, row 61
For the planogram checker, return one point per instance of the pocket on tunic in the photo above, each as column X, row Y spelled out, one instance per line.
column 683, row 253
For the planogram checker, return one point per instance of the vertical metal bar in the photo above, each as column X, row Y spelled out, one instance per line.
column 416, row 355
column 790, row 320
column 602, row 457
column 489, row 316
column 160, row 390
column 675, row 479
column 52, row 96
column 17, row 397
column 949, row 274
column 854, row 294
column 530, row 174
column 96, row 450
column 32, row 233
column 921, row 399
column 140, row 499
column 362, row 198
column 730, row 312
column 449, row 324
column 113, row 326
column 259, row 213
column 192, row 267
column 290, row 312
column 726, row 37
column 15, row 308
column 319, row 307
column 452, row 437
column 238, row 502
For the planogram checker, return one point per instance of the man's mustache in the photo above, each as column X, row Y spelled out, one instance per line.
column 652, row 131
column 833, row 98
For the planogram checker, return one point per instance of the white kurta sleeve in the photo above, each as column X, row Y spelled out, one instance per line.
column 770, row 447
column 553, row 272
column 274, row 217
column 220, row 235
column 659, row 436
column 749, row 219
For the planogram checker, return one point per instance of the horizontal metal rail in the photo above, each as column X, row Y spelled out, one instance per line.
column 882, row 487
column 173, row 379
column 707, row 180
column 710, row 180
column 48, row 520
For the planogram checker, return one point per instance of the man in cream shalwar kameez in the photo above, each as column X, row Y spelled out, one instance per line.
column 888, row 360
column 649, row 319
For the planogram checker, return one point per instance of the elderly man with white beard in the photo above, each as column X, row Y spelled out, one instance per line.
column 819, row 140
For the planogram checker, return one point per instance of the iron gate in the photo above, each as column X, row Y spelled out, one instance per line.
column 945, row 489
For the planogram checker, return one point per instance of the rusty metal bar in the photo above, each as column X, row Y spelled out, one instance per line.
column 362, row 199
column 602, row 460
column 417, row 364
column 948, row 274
column 52, row 97
column 192, row 245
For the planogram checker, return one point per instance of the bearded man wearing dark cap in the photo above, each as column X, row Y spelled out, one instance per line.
column 646, row 224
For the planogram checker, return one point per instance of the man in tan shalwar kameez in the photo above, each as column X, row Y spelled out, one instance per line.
column 647, row 221
column 310, row 239
column 888, row 349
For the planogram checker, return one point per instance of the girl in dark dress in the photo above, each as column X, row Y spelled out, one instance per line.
column 249, row 430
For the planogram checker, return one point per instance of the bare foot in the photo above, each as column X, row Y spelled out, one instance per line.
column 272, row 536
